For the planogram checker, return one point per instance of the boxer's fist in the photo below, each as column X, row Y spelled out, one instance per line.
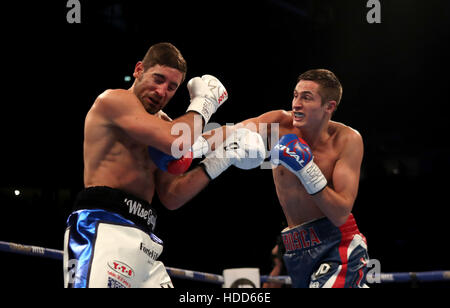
column 207, row 94
column 294, row 153
column 169, row 163
column 244, row 149
column 252, row 149
column 216, row 88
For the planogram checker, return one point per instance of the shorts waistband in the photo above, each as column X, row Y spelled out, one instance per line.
column 137, row 210
column 317, row 232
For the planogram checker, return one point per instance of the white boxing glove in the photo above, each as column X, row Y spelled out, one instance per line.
column 207, row 94
column 200, row 147
column 244, row 149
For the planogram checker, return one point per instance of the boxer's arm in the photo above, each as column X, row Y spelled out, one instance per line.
column 122, row 109
column 337, row 202
column 175, row 190
column 263, row 121
column 244, row 149
column 217, row 136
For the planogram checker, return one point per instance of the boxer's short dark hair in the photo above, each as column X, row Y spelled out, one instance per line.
column 165, row 54
column 330, row 86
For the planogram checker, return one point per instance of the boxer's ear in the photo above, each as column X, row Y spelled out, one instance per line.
column 330, row 106
column 138, row 70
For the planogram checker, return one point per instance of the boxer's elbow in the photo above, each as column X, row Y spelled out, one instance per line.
column 337, row 207
column 341, row 213
column 170, row 201
column 172, row 205
column 339, row 220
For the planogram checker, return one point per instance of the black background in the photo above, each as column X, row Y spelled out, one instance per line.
column 396, row 94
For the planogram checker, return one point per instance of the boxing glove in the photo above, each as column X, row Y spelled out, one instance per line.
column 169, row 163
column 243, row 149
column 295, row 154
column 207, row 94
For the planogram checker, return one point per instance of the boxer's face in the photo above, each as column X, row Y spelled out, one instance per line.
column 156, row 86
column 307, row 104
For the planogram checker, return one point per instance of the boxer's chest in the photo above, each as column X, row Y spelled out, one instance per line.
column 326, row 161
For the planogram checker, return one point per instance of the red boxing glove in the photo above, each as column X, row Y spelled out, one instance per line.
column 180, row 165
column 169, row 163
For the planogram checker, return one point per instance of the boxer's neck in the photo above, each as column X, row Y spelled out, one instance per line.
column 315, row 134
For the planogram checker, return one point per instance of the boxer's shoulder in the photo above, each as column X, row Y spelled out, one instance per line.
column 283, row 115
column 280, row 116
column 344, row 131
column 112, row 93
column 114, row 103
column 344, row 135
column 113, row 97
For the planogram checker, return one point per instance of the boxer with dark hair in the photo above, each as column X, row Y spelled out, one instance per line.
column 109, row 241
column 317, row 168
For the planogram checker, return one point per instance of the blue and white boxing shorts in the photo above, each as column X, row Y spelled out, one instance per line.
column 321, row 255
column 109, row 242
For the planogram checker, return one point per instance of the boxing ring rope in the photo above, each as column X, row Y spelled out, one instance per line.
column 429, row 276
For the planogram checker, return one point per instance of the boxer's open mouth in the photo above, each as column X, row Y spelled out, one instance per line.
column 152, row 101
column 299, row 116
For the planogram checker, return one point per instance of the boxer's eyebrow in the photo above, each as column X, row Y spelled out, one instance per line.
column 159, row 76
column 307, row 93
column 172, row 83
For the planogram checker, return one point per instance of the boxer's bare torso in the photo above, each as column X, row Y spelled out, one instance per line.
column 119, row 127
column 114, row 159
column 298, row 206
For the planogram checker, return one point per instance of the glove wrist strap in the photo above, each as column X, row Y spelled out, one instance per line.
column 214, row 166
column 205, row 106
column 312, row 178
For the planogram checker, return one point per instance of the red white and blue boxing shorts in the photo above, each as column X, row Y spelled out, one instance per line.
column 321, row 255
column 109, row 242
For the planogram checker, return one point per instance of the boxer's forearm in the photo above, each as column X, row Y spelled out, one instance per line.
column 335, row 206
column 177, row 191
column 192, row 120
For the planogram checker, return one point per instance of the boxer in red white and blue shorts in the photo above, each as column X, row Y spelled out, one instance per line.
column 321, row 255
column 316, row 173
